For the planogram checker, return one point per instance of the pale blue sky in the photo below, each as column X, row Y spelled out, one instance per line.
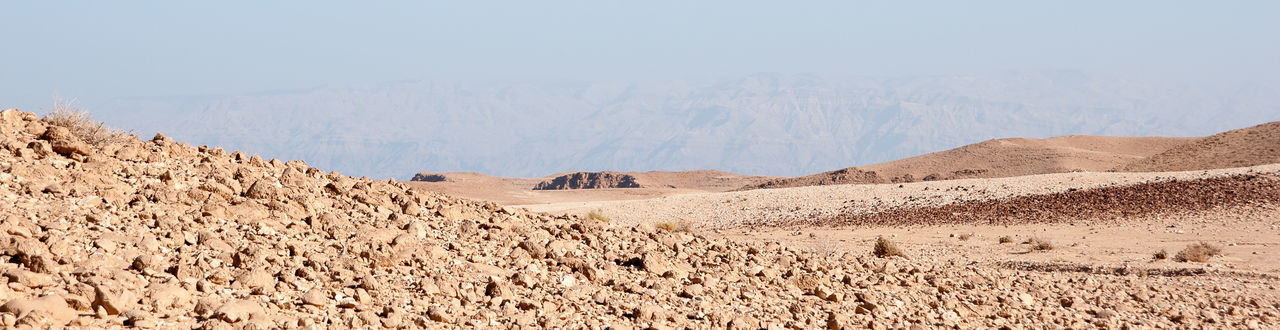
column 95, row 50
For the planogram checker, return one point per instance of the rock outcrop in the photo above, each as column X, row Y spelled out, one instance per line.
column 589, row 180
column 429, row 177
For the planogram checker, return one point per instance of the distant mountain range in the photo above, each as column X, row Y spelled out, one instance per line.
column 767, row 124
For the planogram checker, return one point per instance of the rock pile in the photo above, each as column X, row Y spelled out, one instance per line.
column 160, row 234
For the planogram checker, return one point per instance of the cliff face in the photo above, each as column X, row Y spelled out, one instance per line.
column 589, row 180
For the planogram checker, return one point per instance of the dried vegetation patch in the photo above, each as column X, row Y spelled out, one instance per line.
column 598, row 216
column 678, row 226
column 81, row 123
column 885, row 248
column 1198, row 252
column 1039, row 244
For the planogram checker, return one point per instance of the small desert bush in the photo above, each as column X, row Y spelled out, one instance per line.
column 80, row 123
column 679, row 226
column 885, row 248
column 597, row 216
column 1039, row 244
column 1006, row 239
column 1160, row 255
column 826, row 246
column 1198, row 252
column 965, row 237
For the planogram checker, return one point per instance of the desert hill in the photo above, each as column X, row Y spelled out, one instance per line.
column 997, row 159
column 1256, row 145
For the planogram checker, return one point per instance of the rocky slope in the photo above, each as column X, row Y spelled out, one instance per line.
column 588, row 180
column 160, row 234
column 1256, row 145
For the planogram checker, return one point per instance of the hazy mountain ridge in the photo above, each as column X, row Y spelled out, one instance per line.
column 762, row 124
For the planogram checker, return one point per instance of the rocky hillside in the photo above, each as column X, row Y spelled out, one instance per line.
column 589, row 180
column 739, row 124
column 1257, row 145
column 999, row 158
column 159, row 234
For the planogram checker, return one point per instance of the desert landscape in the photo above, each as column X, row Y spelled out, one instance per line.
column 640, row 165
column 1116, row 208
column 103, row 229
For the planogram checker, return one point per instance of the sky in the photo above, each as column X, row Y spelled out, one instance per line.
column 96, row 50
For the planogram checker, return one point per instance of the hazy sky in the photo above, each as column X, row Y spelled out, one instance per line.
column 100, row 49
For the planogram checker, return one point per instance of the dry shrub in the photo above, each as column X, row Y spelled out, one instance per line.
column 80, row 123
column 679, row 226
column 885, row 248
column 965, row 237
column 597, row 216
column 1039, row 244
column 1006, row 239
column 1198, row 252
column 1160, row 255
column 826, row 246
